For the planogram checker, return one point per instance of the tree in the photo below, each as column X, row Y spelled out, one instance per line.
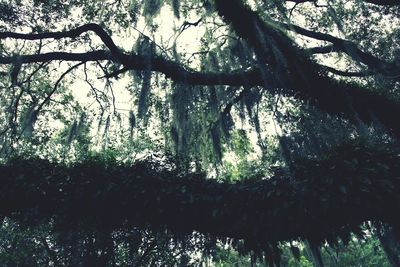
column 326, row 169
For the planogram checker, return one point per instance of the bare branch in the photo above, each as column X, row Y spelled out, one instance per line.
column 48, row 97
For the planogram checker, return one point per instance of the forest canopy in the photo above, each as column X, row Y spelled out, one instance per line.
column 184, row 132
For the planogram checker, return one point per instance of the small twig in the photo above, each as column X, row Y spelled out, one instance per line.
column 93, row 89
column 56, row 85
column 188, row 24
column 229, row 106
column 41, row 65
column 114, row 74
column 109, row 86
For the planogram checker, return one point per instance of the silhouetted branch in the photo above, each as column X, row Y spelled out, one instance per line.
column 74, row 33
column 376, row 2
column 347, row 73
column 389, row 69
column 171, row 69
column 321, row 49
column 384, row 2
column 50, row 94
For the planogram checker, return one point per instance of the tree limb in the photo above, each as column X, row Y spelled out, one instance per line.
column 170, row 69
column 50, row 94
column 301, row 77
column 321, row 49
column 97, row 29
column 389, row 69
column 376, row 2
column 347, row 73
column 384, row 2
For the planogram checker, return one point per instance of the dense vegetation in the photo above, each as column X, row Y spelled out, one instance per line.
column 189, row 133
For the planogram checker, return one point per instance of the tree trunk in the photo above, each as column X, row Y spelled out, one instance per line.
column 390, row 244
column 315, row 253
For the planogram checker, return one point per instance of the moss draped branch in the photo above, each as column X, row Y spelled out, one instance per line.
column 300, row 76
column 171, row 69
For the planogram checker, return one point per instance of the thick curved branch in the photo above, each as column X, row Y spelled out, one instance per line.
column 170, row 69
column 74, row 33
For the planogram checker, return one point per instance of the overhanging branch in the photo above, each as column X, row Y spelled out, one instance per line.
column 347, row 73
column 384, row 2
column 376, row 2
column 170, row 69
column 388, row 69
column 74, row 33
column 301, row 77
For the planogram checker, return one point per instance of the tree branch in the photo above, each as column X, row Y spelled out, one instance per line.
column 50, row 94
column 347, row 73
column 376, row 2
column 389, row 69
column 301, row 77
column 169, row 68
column 384, row 2
column 322, row 49
column 97, row 29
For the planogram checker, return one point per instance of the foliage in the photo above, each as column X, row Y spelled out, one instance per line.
column 278, row 209
column 150, row 132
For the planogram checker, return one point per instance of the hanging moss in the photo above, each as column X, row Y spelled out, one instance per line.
column 227, row 124
column 28, row 121
column 144, row 96
column 72, row 132
column 175, row 7
column 132, row 120
column 213, row 100
column 145, row 47
column 106, row 127
column 181, row 101
column 134, row 11
column 215, row 136
column 151, row 8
